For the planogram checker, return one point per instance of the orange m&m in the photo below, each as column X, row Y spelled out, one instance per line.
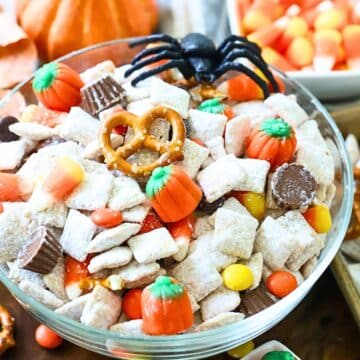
column 281, row 283
column 47, row 338
column 106, row 217
column 131, row 304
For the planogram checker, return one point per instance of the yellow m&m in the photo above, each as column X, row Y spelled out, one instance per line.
column 237, row 277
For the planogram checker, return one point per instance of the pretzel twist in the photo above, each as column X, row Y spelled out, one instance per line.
column 7, row 340
column 169, row 152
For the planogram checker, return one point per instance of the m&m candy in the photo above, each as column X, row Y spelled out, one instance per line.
column 237, row 277
column 281, row 283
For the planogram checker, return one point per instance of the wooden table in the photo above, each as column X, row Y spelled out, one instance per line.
column 321, row 328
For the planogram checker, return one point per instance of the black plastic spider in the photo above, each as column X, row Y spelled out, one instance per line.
column 197, row 56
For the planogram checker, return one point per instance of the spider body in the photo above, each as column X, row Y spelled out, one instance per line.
column 196, row 56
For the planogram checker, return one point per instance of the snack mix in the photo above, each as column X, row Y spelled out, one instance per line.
column 161, row 208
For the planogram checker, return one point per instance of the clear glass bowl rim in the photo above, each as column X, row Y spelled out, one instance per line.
column 280, row 309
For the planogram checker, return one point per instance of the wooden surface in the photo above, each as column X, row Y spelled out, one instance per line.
column 321, row 328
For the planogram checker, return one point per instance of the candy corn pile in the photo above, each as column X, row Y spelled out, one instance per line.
column 304, row 34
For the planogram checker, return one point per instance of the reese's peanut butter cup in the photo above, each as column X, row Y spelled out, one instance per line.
column 293, row 187
column 42, row 251
column 102, row 95
column 256, row 300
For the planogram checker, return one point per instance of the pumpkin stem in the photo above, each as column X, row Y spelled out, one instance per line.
column 157, row 181
column 213, row 106
column 45, row 76
column 165, row 288
column 276, row 127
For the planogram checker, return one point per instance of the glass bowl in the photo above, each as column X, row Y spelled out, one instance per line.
column 208, row 343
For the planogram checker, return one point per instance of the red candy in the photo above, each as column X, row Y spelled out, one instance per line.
column 106, row 218
column 281, row 283
column 121, row 130
column 151, row 222
column 131, row 304
column 47, row 338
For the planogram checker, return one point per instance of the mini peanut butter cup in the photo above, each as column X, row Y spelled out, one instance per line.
column 256, row 300
column 102, row 95
column 42, row 251
column 293, row 187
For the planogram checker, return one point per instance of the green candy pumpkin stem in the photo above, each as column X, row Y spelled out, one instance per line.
column 157, row 181
column 165, row 288
column 276, row 127
column 45, row 77
column 278, row 355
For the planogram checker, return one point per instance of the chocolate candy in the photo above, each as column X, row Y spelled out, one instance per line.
column 209, row 208
column 5, row 134
column 293, row 187
column 41, row 253
column 256, row 300
column 102, row 95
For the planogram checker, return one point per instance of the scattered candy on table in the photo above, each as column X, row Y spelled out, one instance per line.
column 281, row 283
column 47, row 338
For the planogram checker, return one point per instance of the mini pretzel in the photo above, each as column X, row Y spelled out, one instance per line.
column 169, row 152
column 6, row 330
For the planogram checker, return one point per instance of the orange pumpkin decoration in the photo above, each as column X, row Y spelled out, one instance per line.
column 57, row 86
column 61, row 26
column 274, row 140
column 173, row 194
column 166, row 308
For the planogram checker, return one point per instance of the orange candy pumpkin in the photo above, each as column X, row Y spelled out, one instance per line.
column 273, row 140
column 173, row 194
column 57, row 86
column 166, row 308
column 61, row 26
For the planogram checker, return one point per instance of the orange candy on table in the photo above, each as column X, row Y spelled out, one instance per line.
column 173, row 194
column 319, row 218
column 106, row 217
column 57, row 86
column 131, row 304
column 281, row 283
column 47, row 338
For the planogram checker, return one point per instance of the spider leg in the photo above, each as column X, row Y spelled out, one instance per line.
column 238, row 45
column 153, row 50
column 154, row 38
column 232, row 39
column 180, row 64
column 223, row 68
column 166, row 54
column 256, row 60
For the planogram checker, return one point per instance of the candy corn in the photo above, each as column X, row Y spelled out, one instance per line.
column 78, row 279
column 319, row 218
column 351, row 35
column 330, row 19
column 327, row 49
column 13, row 187
column 241, row 88
column 296, row 26
column 263, row 12
column 62, row 180
column 42, row 116
column 300, row 52
column 269, row 34
column 311, row 13
column 182, row 231
column 275, row 59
